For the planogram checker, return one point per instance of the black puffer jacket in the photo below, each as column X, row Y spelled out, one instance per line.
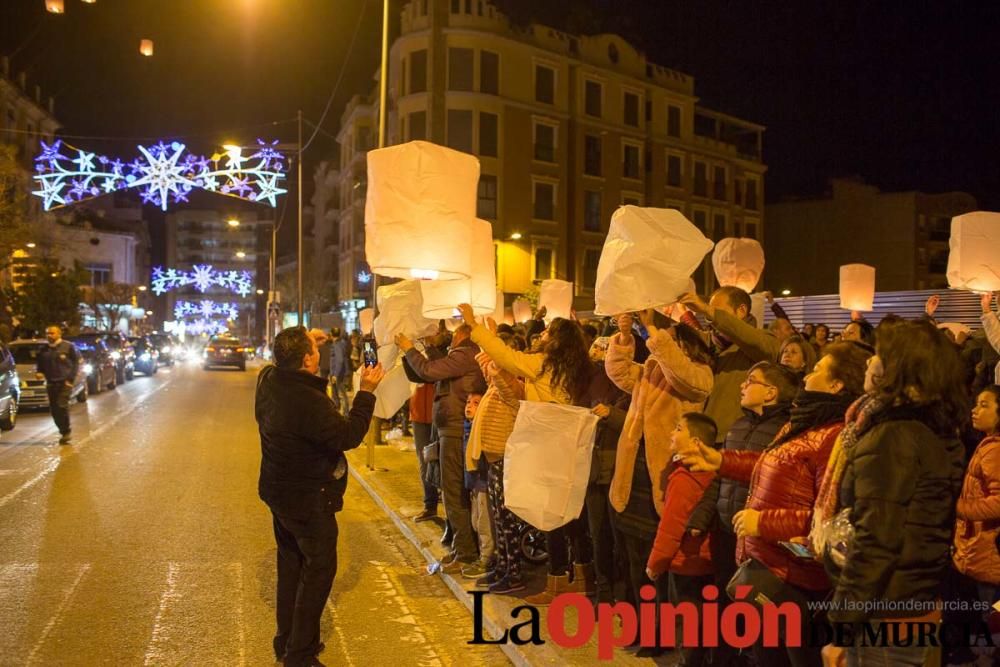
column 901, row 481
column 725, row 497
column 303, row 439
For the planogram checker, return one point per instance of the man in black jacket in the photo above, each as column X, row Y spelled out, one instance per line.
column 303, row 475
column 59, row 363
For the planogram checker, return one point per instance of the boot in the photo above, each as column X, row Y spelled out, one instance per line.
column 583, row 579
column 554, row 585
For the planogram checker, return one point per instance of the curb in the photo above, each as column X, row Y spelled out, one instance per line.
column 514, row 652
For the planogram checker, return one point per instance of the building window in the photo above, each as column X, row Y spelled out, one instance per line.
column 100, row 274
column 630, row 161
column 592, row 210
column 417, row 126
column 631, row 110
column 751, row 194
column 544, row 201
column 486, row 201
column 592, row 155
column 489, row 73
column 673, row 121
column 737, row 229
column 418, row 71
column 545, row 84
column 488, row 134
column 701, row 221
column 738, row 191
column 700, row 179
column 460, row 69
column 718, row 226
column 545, row 142
column 751, row 230
column 674, row 170
column 592, row 94
column 631, row 199
column 456, row 6
column 591, row 260
column 649, row 110
column 719, row 183
column 460, row 130
column 544, row 263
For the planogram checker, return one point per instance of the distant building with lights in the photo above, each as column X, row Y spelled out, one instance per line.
column 204, row 237
column 566, row 128
column 903, row 234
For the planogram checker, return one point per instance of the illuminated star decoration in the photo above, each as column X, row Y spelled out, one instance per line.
column 163, row 174
column 203, row 277
column 205, row 310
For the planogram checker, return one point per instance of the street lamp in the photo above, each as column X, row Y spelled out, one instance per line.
column 786, row 292
column 259, row 292
column 516, row 236
column 233, row 222
column 30, row 245
column 240, row 254
column 142, row 288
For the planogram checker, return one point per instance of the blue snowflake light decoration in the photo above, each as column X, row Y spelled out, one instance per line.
column 205, row 309
column 203, row 277
column 164, row 173
column 207, row 327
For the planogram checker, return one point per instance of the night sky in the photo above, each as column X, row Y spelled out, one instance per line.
column 902, row 94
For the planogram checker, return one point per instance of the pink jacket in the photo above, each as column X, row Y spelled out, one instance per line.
column 664, row 388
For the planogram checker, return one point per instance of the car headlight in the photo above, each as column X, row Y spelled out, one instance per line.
column 145, row 356
column 116, row 355
column 88, row 369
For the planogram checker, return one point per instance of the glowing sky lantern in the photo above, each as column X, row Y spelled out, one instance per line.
column 55, row 6
column 738, row 262
column 556, row 296
column 857, row 287
column 440, row 297
column 974, row 260
column 420, row 211
column 521, row 310
column 399, row 312
column 146, row 47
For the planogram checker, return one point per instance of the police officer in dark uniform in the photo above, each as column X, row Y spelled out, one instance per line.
column 59, row 363
column 303, row 476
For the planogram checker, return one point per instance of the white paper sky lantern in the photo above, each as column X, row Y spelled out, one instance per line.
column 146, row 47
column 974, row 260
column 499, row 311
column 441, row 297
column 420, row 211
column 738, row 262
column 521, row 310
column 54, row 6
column 647, row 260
column 399, row 311
column 556, row 296
column 857, row 287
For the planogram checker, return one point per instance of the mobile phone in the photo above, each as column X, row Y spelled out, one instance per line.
column 370, row 353
column 800, row 550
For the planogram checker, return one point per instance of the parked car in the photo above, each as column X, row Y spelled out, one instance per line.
column 10, row 390
column 119, row 348
column 168, row 347
column 32, row 390
column 224, row 351
column 102, row 369
column 147, row 357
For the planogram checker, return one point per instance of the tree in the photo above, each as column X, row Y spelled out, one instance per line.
column 109, row 302
column 14, row 187
column 50, row 294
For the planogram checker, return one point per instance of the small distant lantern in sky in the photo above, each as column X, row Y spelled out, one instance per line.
column 89, row 2
column 146, row 47
column 55, row 6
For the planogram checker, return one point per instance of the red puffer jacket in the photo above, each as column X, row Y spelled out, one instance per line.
column 674, row 549
column 784, row 482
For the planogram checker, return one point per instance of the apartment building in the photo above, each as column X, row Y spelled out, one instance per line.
column 567, row 128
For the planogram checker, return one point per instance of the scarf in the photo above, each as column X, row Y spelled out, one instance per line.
column 815, row 408
column 857, row 420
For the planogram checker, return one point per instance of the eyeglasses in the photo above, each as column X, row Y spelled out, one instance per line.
column 750, row 380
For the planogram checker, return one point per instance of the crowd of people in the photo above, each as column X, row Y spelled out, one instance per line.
column 860, row 468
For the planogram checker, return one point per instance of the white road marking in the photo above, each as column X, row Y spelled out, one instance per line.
column 60, row 610
column 50, row 465
column 236, row 570
column 169, row 595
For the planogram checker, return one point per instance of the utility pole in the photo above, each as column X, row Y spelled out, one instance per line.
column 298, row 261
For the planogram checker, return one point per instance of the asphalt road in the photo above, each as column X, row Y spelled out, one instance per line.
column 144, row 543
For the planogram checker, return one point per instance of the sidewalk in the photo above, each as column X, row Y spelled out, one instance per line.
column 394, row 486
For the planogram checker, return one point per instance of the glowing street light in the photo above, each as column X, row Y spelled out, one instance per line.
column 260, row 291
column 30, row 245
column 142, row 288
column 233, row 222
column 516, row 236
column 240, row 254
column 786, row 292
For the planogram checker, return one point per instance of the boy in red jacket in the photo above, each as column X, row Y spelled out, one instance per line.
column 686, row 558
